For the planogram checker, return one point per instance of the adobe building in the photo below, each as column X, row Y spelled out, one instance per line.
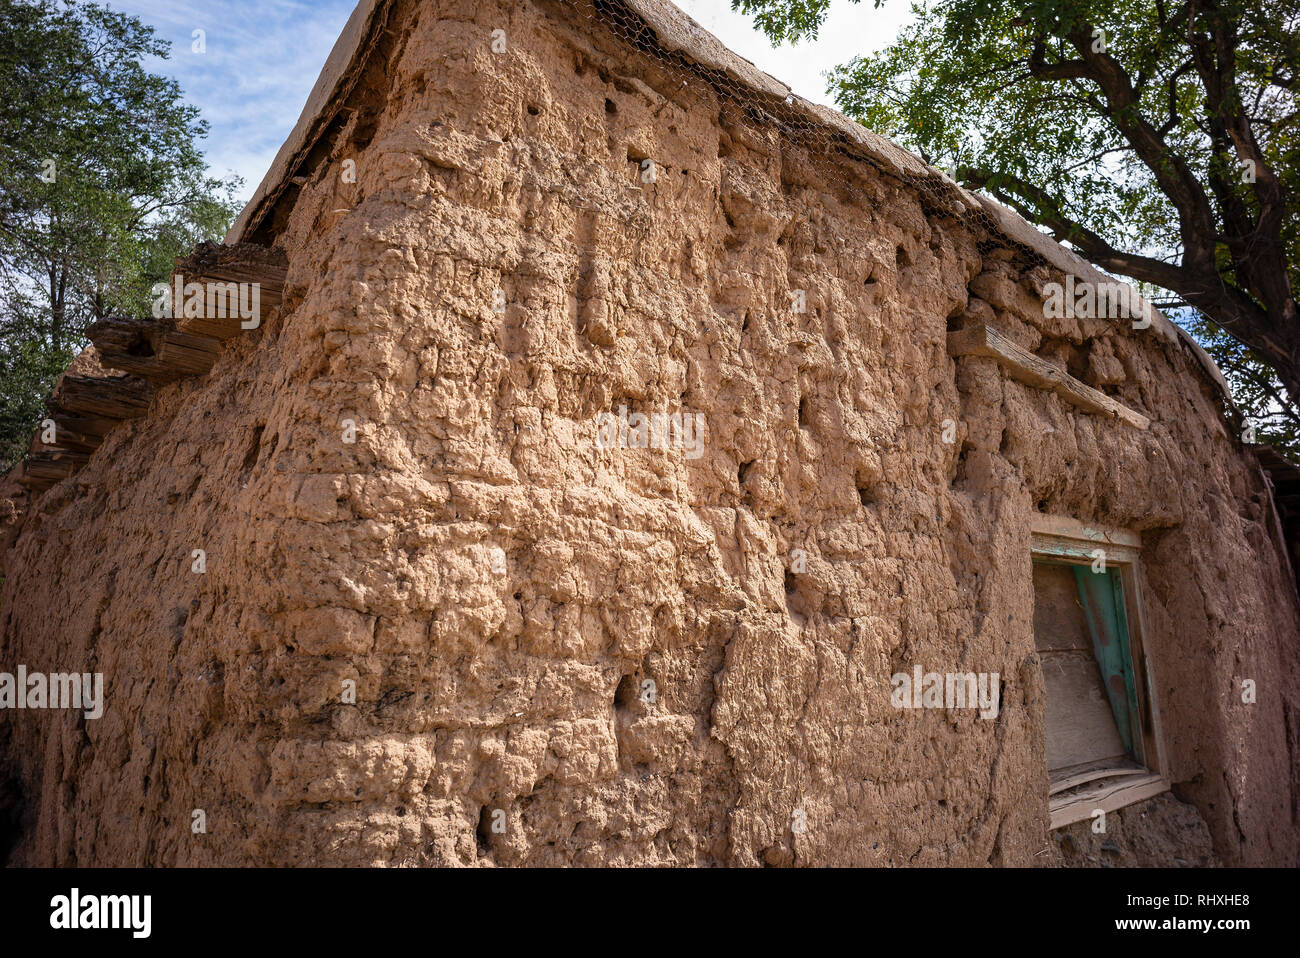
column 630, row 462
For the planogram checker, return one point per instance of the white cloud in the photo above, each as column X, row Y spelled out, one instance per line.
column 851, row 29
column 261, row 59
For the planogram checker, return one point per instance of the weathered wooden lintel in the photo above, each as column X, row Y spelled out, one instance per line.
column 1024, row 366
column 1067, row 538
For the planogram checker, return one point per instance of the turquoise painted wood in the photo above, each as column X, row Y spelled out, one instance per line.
column 1102, row 597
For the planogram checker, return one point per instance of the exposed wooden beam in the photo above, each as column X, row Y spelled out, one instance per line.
column 110, row 397
column 130, row 345
column 152, row 352
column 90, row 426
column 43, row 469
column 1025, row 367
column 64, row 439
column 188, row 354
column 213, row 263
column 34, row 482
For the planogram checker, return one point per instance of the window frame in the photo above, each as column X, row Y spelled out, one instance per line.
column 1066, row 540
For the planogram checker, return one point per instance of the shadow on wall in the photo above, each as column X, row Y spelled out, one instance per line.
column 11, row 813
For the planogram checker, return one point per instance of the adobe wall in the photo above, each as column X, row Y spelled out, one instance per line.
column 499, row 587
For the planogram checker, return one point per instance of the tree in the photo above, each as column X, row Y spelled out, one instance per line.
column 1270, row 416
column 101, row 186
column 1158, row 139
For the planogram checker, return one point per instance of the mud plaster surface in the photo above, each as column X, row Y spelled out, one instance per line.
column 499, row 588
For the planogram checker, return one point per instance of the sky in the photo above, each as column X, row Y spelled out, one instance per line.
column 261, row 58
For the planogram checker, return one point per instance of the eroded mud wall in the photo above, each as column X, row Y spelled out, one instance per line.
column 500, row 589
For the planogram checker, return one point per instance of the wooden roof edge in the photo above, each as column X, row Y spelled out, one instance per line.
column 345, row 58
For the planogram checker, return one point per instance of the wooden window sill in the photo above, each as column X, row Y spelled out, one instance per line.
column 1108, row 794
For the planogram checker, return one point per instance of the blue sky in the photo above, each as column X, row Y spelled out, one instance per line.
column 263, row 56
column 261, row 60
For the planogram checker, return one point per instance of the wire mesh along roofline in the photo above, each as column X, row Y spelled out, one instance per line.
column 659, row 28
